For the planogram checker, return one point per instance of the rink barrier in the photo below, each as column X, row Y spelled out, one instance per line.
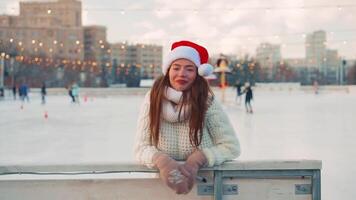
column 105, row 92
column 294, row 179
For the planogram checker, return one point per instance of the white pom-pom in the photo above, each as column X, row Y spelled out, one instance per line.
column 205, row 69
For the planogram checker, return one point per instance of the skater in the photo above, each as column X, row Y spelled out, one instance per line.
column 75, row 92
column 70, row 93
column 238, row 92
column 316, row 87
column 24, row 90
column 43, row 93
column 248, row 97
column 181, row 120
column 14, row 91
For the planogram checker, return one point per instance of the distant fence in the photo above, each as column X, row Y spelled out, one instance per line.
column 296, row 87
column 141, row 91
column 248, row 180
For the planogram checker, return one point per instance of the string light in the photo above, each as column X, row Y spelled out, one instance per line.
column 123, row 11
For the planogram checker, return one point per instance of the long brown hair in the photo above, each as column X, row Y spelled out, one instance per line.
column 199, row 94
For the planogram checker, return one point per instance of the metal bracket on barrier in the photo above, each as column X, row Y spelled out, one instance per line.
column 208, row 189
column 303, row 189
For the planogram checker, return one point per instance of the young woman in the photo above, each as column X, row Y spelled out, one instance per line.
column 180, row 120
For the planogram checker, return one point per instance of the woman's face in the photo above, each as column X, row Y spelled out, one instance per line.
column 182, row 74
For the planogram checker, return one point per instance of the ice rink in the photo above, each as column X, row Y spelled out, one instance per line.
column 285, row 125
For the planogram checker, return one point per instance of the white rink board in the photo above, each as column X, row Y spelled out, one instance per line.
column 143, row 189
column 267, row 189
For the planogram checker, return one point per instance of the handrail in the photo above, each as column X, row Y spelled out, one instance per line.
column 135, row 167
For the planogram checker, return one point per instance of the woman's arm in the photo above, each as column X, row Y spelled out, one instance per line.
column 226, row 145
column 143, row 150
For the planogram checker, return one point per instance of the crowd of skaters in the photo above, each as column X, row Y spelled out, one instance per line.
column 22, row 92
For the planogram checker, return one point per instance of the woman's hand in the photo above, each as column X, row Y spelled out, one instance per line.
column 191, row 167
column 170, row 173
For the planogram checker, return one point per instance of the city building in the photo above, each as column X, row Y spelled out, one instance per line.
column 295, row 62
column 269, row 57
column 147, row 57
column 98, row 53
column 315, row 49
column 268, row 54
column 96, row 47
column 332, row 66
column 321, row 59
column 46, row 29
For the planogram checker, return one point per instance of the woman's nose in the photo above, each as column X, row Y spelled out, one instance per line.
column 182, row 72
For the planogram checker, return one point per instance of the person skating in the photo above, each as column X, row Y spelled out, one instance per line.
column 14, row 91
column 43, row 93
column 248, row 97
column 238, row 92
column 70, row 93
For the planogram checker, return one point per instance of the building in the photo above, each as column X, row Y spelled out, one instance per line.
column 315, row 49
column 321, row 59
column 295, row 62
column 60, row 13
column 268, row 56
column 46, row 29
column 147, row 57
column 96, row 46
column 332, row 65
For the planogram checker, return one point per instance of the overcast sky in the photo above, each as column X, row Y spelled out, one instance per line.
column 224, row 26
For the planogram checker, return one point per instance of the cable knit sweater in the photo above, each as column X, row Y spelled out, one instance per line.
column 219, row 142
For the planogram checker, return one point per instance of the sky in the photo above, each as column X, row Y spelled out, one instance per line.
column 224, row 26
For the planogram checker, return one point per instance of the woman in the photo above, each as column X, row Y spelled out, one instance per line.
column 180, row 120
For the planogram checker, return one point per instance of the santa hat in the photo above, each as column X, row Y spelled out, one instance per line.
column 190, row 51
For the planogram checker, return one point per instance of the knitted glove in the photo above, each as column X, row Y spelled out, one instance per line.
column 170, row 174
column 190, row 168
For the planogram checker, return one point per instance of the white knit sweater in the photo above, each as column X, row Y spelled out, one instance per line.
column 218, row 146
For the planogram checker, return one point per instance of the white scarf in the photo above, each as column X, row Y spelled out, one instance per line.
column 171, row 107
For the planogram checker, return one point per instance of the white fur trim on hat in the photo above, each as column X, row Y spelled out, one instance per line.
column 185, row 52
column 205, row 69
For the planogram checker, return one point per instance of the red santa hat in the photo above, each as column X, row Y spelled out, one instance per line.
column 190, row 51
